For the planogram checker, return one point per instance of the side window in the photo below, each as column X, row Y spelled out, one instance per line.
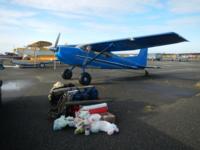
column 107, row 54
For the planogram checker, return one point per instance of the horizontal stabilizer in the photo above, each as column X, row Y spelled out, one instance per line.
column 153, row 67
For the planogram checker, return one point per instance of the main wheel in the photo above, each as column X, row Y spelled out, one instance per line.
column 85, row 78
column 67, row 74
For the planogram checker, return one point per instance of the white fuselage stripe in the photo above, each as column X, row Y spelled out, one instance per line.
column 107, row 62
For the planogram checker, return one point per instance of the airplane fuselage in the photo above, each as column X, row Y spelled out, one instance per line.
column 76, row 57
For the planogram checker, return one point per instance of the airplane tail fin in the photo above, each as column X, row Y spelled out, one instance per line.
column 141, row 58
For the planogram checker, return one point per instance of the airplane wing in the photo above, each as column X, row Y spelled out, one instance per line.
column 136, row 42
column 40, row 44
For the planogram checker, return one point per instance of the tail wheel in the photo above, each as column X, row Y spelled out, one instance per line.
column 85, row 78
column 146, row 73
column 67, row 74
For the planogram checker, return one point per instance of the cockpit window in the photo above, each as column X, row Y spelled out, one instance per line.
column 105, row 54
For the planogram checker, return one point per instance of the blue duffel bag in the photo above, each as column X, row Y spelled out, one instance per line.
column 87, row 93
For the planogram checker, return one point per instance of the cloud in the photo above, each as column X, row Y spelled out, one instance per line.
column 185, row 22
column 27, row 20
column 70, row 16
column 94, row 20
column 19, row 28
column 91, row 7
column 14, row 17
column 105, row 27
column 15, row 14
column 184, row 6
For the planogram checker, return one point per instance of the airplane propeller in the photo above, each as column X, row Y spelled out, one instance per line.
column 57, row 40
column 55, row 49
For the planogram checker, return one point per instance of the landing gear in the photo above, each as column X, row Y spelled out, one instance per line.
column 85, row 78
column 67, row 74
column 146, row 73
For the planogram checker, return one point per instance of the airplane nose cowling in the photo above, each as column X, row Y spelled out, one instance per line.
column 61, row 53
column 67, row 54
column 58, row 55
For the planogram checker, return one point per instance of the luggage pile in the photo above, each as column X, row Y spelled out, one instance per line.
column 63, row 98
column 80, row 108
column 89, row 119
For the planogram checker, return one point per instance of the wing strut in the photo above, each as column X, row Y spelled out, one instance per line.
column 86, row 62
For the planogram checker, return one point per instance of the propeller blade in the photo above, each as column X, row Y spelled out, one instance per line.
column 57, row 40
column 55, row 48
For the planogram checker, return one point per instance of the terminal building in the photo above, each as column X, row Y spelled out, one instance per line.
column 174, row 57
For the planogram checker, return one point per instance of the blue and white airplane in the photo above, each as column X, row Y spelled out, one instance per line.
column 99, row 55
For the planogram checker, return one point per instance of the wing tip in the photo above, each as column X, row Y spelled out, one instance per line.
column 181, row 37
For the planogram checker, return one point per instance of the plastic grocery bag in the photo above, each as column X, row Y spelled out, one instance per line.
column 63, row 122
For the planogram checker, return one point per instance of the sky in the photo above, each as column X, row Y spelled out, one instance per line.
column 86, row 21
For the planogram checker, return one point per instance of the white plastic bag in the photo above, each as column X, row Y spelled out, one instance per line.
column 63, row 122
column 104, row 126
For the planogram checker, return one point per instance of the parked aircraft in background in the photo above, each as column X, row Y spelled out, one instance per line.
column 99, row 55
column 36, row 54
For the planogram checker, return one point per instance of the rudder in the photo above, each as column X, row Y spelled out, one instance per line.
column 142, row 57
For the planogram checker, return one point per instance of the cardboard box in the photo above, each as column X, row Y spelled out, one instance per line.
column 108, row 117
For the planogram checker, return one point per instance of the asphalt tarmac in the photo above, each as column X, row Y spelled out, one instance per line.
column 161, row 111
